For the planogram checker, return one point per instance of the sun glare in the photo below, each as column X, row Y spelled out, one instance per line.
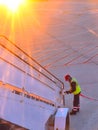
column 12, row 5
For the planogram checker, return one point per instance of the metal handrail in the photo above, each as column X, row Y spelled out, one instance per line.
column 30, row 58
column 53, row 76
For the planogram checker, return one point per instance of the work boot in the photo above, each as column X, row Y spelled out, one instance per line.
column 73, row 112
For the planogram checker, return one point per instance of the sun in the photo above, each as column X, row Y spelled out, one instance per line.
column 12, row 5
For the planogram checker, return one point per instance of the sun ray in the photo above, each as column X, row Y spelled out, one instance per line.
column 11, row 4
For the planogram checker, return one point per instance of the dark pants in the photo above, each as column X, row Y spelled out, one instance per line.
column 76, row 102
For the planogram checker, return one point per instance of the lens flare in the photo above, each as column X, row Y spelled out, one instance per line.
column 12, row 5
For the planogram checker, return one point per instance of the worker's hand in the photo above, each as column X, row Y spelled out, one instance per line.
column 62, row 92
column 67, row 92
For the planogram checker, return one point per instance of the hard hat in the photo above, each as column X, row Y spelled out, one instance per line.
column 67, row 77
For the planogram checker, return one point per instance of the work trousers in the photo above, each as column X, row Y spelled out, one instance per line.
column 76, row 102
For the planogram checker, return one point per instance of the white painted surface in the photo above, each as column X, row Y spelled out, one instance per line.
column 60, row 119
column 27, row 97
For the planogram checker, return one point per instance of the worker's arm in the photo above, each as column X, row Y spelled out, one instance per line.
column 73, row 87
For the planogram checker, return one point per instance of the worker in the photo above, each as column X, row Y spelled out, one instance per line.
column 76, row 90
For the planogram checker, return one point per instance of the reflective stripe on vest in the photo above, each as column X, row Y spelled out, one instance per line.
column 78, row 89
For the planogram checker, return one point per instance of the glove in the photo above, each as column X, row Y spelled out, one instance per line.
column 67, row 92
column 62, row 92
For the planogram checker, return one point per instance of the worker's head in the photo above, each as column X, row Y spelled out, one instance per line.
column 67, row 77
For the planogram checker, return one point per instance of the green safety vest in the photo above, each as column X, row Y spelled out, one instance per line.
column 78, row 88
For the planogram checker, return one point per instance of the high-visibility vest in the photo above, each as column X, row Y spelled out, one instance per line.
column 78, row 88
